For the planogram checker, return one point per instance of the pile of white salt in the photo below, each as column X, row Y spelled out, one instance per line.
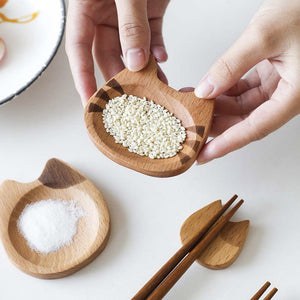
column 48, row 225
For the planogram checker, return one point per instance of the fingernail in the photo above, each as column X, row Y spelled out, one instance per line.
column 205, row 88
column 202, row 159
column 160, row 53
column 135, row 59
column 201, row 162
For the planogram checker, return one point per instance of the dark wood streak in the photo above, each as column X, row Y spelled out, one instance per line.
column 115, row 85
column 196, row 146
column 192, row 144
column 94, row 108
column 184, row 158
column 198, row 129
column 103, row 95
column 58, row 175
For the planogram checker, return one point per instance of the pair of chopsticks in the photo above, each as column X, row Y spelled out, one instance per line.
column 260, row 292
column 160, row 284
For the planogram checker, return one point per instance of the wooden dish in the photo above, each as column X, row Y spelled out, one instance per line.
column 195, row 114
column 58, row 181
column 226, row 247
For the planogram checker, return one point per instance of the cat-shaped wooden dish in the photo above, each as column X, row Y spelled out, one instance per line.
column 58, row 181
column 195, row 115
column 228, row 244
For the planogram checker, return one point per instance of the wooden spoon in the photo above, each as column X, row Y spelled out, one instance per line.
column 58, row 181
column 195, row 114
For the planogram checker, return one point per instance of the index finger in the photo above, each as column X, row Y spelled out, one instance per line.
column 265, row 119
column 134, row 32
column 79, row 40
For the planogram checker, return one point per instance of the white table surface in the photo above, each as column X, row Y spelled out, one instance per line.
column 47, row 121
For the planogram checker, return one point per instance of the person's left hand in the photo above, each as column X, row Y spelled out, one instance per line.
column 105, row 30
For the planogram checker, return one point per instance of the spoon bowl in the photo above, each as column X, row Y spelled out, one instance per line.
column 195, row 115
column 58, row 181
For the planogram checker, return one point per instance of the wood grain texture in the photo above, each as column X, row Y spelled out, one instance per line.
column 226, row 247
column 262, row 290
column 271, row 294
column 195, row 114
column 58, row 181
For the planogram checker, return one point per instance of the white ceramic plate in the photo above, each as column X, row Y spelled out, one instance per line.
column 30, row 47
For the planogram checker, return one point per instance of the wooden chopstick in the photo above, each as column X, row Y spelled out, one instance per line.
column 191, row 251
column 160, row 275
column 180, row 269
column 261, row 291
column 271, row 294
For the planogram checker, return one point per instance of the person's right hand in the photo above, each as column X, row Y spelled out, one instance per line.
column 132, row 28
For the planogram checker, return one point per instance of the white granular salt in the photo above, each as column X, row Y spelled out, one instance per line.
column 143, row 127
column 48, row 225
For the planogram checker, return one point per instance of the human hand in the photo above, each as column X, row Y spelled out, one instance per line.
column 249, row 109
column 131, row 28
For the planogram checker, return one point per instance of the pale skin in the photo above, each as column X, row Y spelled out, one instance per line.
column 247, row 108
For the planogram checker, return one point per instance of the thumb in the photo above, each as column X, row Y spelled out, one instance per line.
column 245, row 53
column 134, row 32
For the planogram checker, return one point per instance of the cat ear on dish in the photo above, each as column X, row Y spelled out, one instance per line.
column 59, row 175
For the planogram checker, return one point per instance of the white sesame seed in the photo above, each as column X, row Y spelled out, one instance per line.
column 144, row 127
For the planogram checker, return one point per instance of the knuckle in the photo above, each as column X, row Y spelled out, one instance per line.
column 263, row 35
column 263, row 94
column 226, row 67
column 226, row 140
column 241, row 106
column 257, row 132
column 76, row 44
column 132, row 30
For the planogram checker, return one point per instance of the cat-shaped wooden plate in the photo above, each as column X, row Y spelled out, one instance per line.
column 58, row 181
column 226, row 247
column 195, row 115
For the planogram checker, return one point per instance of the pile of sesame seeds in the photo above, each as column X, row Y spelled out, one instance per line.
column 144, row 127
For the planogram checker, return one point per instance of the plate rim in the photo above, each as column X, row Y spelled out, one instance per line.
column 44, row 67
